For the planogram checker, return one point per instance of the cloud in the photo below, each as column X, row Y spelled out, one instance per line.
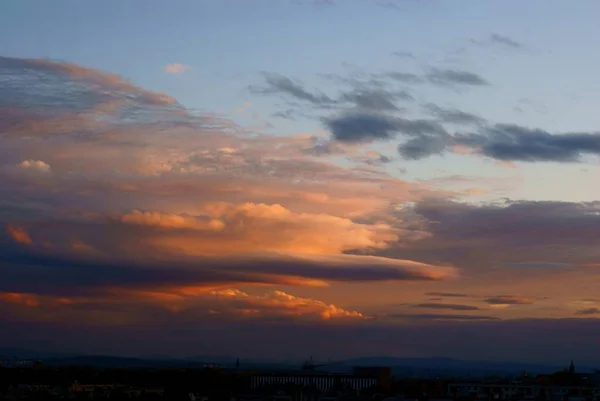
column 505, row 40
column 19, row 235
column 404, row 77
column 509, row 142
column 373, row 158
column 276, row 304
column 365, row 127
column 373, row 116
column 403, row 54
column 541, row 264
column 508, row 300
column 152, row 209
column 172, row 221
column 502, row 142
column 588, row 311
column 368, row 95
column 150, row 201
column 279, row 84
column 450, row 317
column 446, row 294
column 375, row 99
column 455, row 307
column 89, row 87
column 34, row 165
column 217, row 305
column 362, row 127
column 249, row 227
column 135, row 258
column 177, row 68
column 426, row 137
column 422, row 146
column 453, row 116
column 500, row 235
column 455, row 77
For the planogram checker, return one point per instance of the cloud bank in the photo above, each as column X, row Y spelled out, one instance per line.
column 130, row 199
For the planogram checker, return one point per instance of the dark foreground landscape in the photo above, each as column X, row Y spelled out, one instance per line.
column 52, row 376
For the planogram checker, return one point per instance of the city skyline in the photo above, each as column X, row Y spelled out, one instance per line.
column 294, row 178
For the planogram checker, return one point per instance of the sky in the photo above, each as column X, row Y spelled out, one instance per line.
column 285, row 179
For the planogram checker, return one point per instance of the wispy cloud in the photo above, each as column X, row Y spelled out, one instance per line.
column 443, row 317
column 446, row 294
column 505, row 40
column 456, row 307
column 440, row 76
column 177, row 68
column 508, row 300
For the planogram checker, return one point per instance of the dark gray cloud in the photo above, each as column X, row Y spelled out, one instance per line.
column 506, row 142
column 502, row 233
column 515, row 143
column 366, row 123
column 63, row 272
column 362, row 127
column 455, row 77
column 365, row 127
column 456, row 307
column 508, row 300
column 588, row 311
column 505, row 40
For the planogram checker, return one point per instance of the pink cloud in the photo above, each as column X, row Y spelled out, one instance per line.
column 176, row 68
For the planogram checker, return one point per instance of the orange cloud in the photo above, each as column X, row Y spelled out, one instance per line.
column 230, row 210
column 19, row 235
column 250, row 227
column 37, row 165
column 17, row 298
column 224, row 303
column 172, row 221
column 278, row 303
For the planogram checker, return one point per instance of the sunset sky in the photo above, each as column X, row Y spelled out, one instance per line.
column 287, row 178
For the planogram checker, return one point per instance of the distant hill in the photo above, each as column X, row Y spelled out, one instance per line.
column 449, row 366
column 30, row 354
column 404, row 367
